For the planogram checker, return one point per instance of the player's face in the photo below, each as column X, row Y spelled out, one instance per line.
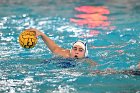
column 77, row 52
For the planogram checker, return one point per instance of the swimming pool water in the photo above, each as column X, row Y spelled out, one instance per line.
column 110, row 25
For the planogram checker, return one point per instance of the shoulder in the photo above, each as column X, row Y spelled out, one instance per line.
column 62, row 52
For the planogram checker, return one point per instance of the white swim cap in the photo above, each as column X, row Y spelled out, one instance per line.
column 83, row 45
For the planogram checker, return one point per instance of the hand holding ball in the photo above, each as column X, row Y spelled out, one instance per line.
column 27, row 39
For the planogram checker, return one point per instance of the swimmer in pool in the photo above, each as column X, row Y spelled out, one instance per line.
column 78, row 50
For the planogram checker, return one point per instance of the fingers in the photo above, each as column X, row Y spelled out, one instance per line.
column 34, row 30
column 37, row 32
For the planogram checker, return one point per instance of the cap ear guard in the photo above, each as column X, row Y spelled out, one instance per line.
column 86, row 50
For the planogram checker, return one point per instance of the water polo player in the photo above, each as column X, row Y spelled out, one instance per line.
column 78, row 50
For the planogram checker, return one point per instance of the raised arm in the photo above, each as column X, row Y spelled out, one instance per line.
column 51, row 44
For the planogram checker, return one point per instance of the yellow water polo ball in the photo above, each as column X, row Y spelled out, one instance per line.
column 27, row 39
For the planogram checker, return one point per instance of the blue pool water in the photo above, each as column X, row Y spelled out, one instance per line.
column 112, row 26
